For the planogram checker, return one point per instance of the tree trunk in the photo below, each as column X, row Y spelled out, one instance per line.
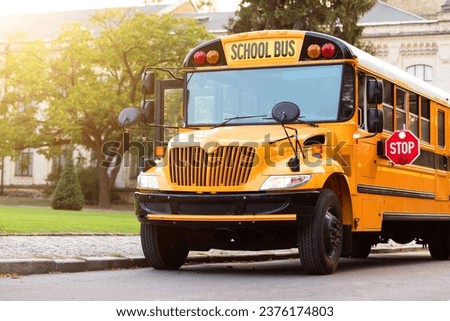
column 107, row 173
column 104, row 194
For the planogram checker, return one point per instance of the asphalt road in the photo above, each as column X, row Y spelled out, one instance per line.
column 399, row 276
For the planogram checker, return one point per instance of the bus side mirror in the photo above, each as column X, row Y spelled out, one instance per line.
column 148, row 111
column 374, row 91
column 148, row 83
column 129, row 116
column 375, row 120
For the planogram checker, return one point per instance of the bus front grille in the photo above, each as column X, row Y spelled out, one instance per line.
column 225, row 166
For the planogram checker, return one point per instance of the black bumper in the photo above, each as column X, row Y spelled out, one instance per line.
column 226, row 204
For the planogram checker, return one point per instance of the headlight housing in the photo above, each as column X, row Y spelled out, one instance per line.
column 284, row 182
column 146, row 181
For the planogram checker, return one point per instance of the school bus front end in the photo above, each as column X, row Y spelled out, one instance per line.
column 262, row 158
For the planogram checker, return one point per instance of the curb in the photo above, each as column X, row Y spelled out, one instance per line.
column 45, row 266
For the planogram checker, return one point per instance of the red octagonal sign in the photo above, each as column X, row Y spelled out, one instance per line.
column 402, row 147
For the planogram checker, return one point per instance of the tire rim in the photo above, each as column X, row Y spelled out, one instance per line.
column 332, row 234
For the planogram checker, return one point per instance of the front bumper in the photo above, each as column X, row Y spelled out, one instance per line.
column 189, row 209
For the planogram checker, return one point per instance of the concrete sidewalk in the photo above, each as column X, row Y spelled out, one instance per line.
column 24, row 255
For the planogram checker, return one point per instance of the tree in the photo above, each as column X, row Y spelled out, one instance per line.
column 24, row 87
column 96, row 74
column 334, row 17
column 68, row 194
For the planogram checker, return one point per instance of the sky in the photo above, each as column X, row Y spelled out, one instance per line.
column 29, row 6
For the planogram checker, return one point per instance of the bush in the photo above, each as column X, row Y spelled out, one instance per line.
column 68, row 194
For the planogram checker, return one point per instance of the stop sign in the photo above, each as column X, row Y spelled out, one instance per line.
column 402, row 147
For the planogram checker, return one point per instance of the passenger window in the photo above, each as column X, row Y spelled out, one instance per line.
column 388, row 106
column 400, row 108
column 414, row 113
column 441, row 128
column 425, row 119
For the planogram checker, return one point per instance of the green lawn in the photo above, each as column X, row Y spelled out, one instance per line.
column 44, row 220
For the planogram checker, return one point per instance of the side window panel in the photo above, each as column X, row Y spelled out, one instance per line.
column 414, row 113
column 388, row 106
column 400, row 108
column 425, row 119
column 441, row 128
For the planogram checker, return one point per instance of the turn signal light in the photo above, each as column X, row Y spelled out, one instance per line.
column 160, row 151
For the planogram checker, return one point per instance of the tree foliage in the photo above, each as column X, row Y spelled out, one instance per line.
column 24, row 89
column 94, row 71
column 334, row 17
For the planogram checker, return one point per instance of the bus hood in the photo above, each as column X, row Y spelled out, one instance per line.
column 256, row 136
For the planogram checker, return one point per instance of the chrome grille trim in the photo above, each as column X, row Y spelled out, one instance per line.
column 226, row 166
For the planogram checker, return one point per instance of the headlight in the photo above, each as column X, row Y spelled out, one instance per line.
column 145, row 181
column 283, row 182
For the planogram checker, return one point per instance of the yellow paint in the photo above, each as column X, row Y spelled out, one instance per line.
column 221, row 218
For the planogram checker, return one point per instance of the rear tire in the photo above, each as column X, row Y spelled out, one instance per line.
column 164, row 247
column 320, row 241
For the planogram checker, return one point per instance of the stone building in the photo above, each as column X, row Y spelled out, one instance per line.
column 419, row 44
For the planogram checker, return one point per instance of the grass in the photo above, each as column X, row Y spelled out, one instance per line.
column 37, row 219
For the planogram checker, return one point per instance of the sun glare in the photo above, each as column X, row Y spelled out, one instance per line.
column 31, row 6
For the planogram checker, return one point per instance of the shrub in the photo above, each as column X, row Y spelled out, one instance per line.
column 68, row 194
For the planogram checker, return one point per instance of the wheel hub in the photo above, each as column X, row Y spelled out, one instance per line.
column 332, row 233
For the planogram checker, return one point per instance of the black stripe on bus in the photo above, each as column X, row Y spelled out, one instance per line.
column 416, row 217
column 388, row 191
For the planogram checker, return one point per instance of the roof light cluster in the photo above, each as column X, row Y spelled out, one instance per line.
column 200, row 57
column 326, row 51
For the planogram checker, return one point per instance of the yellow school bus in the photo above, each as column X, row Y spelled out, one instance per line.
column 281, row 144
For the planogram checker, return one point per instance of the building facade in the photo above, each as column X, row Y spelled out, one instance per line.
column 412, row 42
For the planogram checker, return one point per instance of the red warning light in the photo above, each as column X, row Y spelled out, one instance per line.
column 328, row 50
column 199, row 58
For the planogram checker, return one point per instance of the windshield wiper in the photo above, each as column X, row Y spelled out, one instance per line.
column 310, row 123
column 227, row 120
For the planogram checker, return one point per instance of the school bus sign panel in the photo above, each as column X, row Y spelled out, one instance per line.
column 402, row 147
column 257, row 51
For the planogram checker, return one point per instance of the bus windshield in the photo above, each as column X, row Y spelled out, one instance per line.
column 248, row 96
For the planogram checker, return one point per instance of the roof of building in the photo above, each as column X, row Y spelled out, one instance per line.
column 382, row 12
column 46, row 26
column 215, row 22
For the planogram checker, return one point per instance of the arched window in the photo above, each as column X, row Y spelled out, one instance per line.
column 424, row 72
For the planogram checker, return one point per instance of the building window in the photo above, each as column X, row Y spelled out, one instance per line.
column 24, row 163
column 424, row 72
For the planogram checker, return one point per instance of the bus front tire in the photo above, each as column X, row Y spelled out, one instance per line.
column 320, row 241
column 164, row 247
